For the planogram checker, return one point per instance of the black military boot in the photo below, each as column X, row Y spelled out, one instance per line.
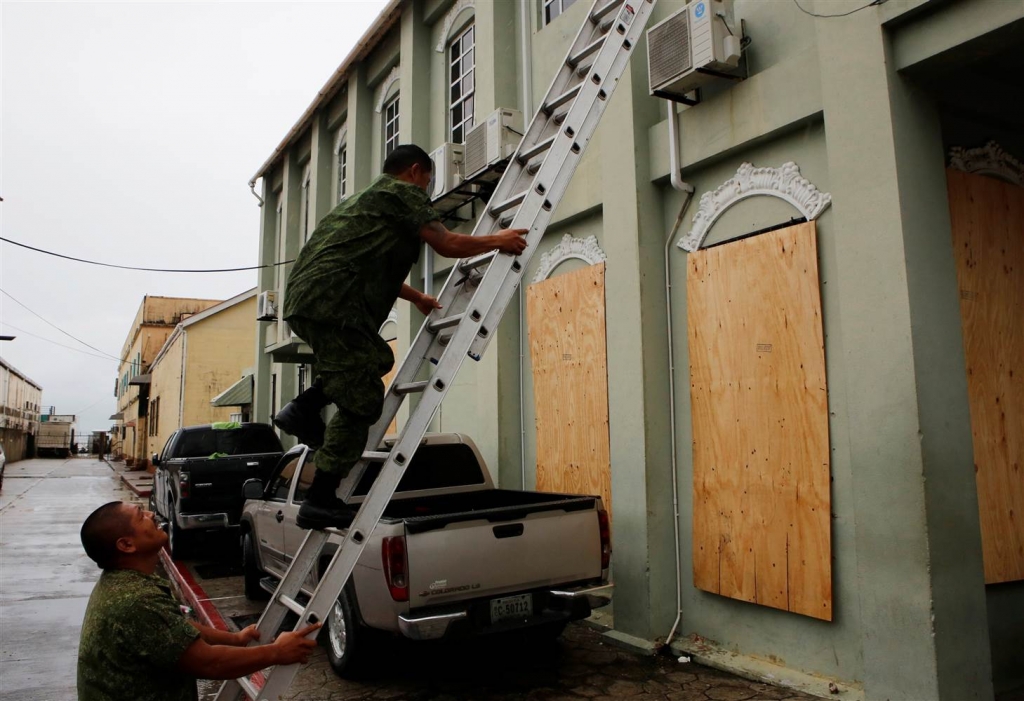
column 301, row 416
column 322, row 508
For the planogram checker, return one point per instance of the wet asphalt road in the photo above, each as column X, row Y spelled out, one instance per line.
column 45, row 577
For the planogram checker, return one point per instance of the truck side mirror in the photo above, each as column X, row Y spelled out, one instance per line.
column 252, row 489
column 155, row 460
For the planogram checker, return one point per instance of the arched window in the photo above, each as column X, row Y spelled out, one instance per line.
column 390, row 120
column 553, row 8
column 304, row 203
column 341, row 163
column 461, row 83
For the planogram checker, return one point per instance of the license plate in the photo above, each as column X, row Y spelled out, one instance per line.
column 511, row 607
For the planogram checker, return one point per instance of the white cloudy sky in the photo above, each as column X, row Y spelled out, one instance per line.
column 129, row 131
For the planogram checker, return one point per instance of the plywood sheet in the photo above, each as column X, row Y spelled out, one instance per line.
column 393, row 428
column 988, row 237
column 566, row 317
column 761, row 501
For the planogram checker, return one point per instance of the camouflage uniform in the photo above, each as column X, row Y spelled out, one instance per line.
column 339, row 293
column 132, row 638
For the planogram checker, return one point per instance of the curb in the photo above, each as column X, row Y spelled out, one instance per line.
column 192, row 593
column 142, row 493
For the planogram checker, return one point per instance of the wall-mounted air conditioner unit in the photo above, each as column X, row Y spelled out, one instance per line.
column 493, row 139
column 449, row 169
column 266, row 306
column 692, row 48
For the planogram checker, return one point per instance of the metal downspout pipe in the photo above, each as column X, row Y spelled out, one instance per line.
column 678, row 184
column 526, row 74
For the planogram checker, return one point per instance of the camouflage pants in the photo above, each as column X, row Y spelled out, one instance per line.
column 350, row 362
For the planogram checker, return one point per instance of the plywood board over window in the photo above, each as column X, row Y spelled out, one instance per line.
column 570, row 383
column 761, row 499
column 987, row 217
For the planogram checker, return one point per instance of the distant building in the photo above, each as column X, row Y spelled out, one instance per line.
column 154, row 322
column 19, row 412
column 202, row 358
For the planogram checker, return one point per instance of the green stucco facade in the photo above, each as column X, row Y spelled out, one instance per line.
column 858, row 104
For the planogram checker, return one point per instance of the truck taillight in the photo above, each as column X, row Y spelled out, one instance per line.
column 183, row 490
column 606, row 538
column 396, row 567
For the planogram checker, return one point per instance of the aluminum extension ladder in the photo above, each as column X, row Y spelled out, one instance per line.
column 473, row 298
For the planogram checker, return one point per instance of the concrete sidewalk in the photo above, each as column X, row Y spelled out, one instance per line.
column 139, row 482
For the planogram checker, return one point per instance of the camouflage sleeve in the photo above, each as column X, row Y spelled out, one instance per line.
column 156, row 631
column 417, row 207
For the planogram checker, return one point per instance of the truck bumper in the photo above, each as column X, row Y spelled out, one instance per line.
column 473, row 618
column 191, row 521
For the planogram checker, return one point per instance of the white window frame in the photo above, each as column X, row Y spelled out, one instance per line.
column 559, row 6
column 278, row 239
column 458, row 52
column 304, row 203
column 341, row 164
column 390, row 116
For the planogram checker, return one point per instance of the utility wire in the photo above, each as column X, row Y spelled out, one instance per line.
column 145, row 270
column 49, row 340
column 98, row 350
column 840, row 14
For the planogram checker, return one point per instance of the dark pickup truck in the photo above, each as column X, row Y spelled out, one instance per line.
column 200, row 473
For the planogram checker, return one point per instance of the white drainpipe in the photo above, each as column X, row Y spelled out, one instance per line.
column 526, row 71
column 678, row 184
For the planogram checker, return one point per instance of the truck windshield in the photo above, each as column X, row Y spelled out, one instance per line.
column 247, row 440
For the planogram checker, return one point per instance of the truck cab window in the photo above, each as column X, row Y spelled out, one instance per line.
column 305, row 479
column 279, row 490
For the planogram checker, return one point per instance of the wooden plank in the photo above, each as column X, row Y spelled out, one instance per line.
column 570, row 383
column 388, row 379
column 761, row 520
column 987, row 217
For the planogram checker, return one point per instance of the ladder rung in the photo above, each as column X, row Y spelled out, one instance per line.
column 477, row 261
column 537, row 149
column 508, row 204
column 376, row 456
column 250, row 689
column 588, row 50
column 565, row 97
column 291, row 604
column 506, row 221
column 598, row 14
column 446, row 323
column 532, row 170
column 410, row 387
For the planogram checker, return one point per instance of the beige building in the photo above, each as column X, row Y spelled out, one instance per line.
column 204, row 356
column 156, row 319
column 20, row 398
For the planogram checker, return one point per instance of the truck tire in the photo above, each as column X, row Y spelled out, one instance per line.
column 348, row 642
column 251, row 572
column 178, row 540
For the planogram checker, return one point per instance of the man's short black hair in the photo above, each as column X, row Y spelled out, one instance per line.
column 101, row 531
column 404, row 157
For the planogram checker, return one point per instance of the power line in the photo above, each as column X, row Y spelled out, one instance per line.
column 48, row 340
column 145, row 270
column 840, row 14
column 98, row 350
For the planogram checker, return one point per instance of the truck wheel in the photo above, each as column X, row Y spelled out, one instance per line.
column 252, row 574
column 346, row 640
column 178, row 543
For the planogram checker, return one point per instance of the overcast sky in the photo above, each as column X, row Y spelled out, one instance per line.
column 129, row 131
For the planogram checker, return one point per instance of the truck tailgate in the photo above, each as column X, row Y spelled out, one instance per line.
column 476, row 554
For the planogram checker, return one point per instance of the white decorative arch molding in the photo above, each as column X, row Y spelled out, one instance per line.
column 341, row 138
column 785, row 182
column 385, row 87
column 990, row 159
column 588, row 250
column 449, row 20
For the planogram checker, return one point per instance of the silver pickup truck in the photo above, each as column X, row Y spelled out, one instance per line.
column 452, row 557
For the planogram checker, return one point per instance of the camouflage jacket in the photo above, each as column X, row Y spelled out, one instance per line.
column 133, row 635
column 353, row 266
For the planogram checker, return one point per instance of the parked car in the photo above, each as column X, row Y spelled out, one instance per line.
column 452, row 557
column 200, row 473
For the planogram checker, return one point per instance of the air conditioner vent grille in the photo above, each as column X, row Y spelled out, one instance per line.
column 476, row 148
column 668, row 48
